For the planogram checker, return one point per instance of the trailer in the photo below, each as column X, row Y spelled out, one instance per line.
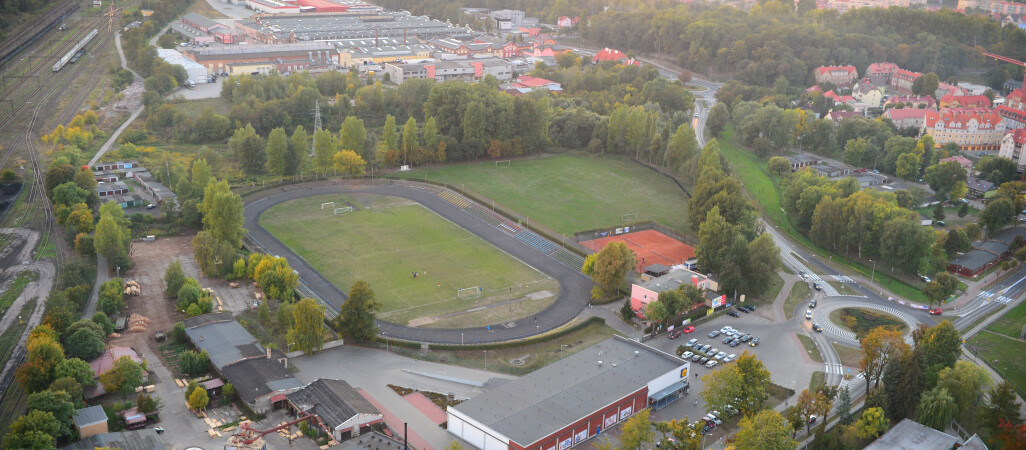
column 76, row 52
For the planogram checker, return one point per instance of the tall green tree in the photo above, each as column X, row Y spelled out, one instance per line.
column 174, row 278
column 124, row 376
column 354, row 136
column 277, row 149
column 1001, row 406
column 410, row 139
column 872, row 424
column 996, row 215
column 430, row 134
column 967, row 383
column 637, row 432
column 307, row 325
column 717, row 120
column 324, row 150
column 249, row 149
column 766, row 430
column 109, row 240
column 35, row 430
column 682, row 148
column 936, row 409
column 611, row 266
column 358, row 313
column 299, row 145
column 222, row 214
column 389, row 134
column 201, row 175
column 58, row 403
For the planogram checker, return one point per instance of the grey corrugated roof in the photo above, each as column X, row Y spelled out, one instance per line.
column 1008, row 235
column 255, row 378
column 199, row 20
column 89, row 416
column 334, row 401
column 534, row 406
column 372, row 440
column 144, row 438
column 911, row 435
column 975, row 259
column 226, row 342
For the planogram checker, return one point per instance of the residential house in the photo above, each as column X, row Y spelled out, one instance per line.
column 609, row 54
column 338, row 406
column 1011, row 86
column 838, row 116
column 969, row 128
column 837, row 98
column 948, row 89
column 906, row 117
column 901, row 80
column 567, row 22
column 964, row 101
column 1012, row 147
column 978, row 188
column 966, row 163
column 1014, row 118
column 884, row 70
column 529, row 83
column 917, row 101
column 868, row 96
column 837, row 75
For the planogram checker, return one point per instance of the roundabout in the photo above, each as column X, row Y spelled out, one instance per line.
column 574, row 287
column 821, row 316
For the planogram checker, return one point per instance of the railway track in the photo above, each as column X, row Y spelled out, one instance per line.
column 24, row 37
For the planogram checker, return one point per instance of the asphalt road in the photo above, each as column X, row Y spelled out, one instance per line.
column 575, row 288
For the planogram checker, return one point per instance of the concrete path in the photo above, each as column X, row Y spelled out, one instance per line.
column 778, row 303
column 135, row 114
column 575, row 288
column 94, row 296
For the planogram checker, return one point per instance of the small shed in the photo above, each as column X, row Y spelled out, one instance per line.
column 656, row 270
column 213, row 387
column 90, row 421
column 119, row 324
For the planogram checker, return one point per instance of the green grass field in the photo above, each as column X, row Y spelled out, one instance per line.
column 389, row 239
column 1004, row 355
column 1011, row 323
column 764, row 188
column 570, row 193
column 861, row 320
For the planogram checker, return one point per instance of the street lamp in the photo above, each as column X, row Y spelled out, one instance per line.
column 386, row 340
column 873, row 274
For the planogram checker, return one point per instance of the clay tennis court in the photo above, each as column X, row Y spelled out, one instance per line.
column 650, row 246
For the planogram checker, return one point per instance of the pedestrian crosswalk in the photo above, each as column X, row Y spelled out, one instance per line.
column 843, row 278
column 992, row 297
column 833, row 369
column 853, row 382
column 837, row 331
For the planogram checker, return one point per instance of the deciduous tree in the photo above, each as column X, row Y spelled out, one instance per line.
column 936, row 409
column 124, row 376
column 277, row 147
column 872, row 424
column 324, row 149
column 878, row 347
column 358, row 313
column 222, row 213
column 199, row 399
column 307, row 325
column 174, row 278
column 611, row 266
column 348, row 162
column 717, row 120
column 1001, row 406
column 779, row 166
column 765, row 430
column 58, row 403
column 636, row 432
column 35, row 430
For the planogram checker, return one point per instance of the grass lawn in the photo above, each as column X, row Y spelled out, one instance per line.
column 535, row 356
column 850, row 356
column 1004, row 354
column 195, row 107
column 951, row 216
column 763, row 187
column 11, row 336
column 14, row 290
column 799, row 292
column 1011, row 323
column 861, row 321
column 818, row 379
column 204, row 9
column 810, row 348
column 389, row 239
column 570, row 193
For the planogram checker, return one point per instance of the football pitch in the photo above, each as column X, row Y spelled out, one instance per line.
column 386, row 239
column 571, row 193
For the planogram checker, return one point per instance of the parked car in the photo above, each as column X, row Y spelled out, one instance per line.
column 733, row 313
column 691, row 343
column 703, row 360
column 812, row 418
column 725, row 329
column 688, row 329
column 714, row 333
column 729, row 358
column 925, row 278
column 754, row 342
column 713, row 351
column 712, row 363
column 816, row 327
column 696, row 358
column 746, row 338
column 674, row 334
column 719, row 355
column 808, row 314
column 687, row 355
column 812, row 303
column 735, row 343
column 936, row 311
column 705, row 348
column 727, row 340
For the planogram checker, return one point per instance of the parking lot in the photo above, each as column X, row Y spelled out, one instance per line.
column 778, row 348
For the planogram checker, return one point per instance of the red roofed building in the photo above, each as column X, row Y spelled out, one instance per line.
column 323, row 6
column 567, row 22
column 1014, row 118
column 1016, row 99
column 964, row 101
column 906, row 117
column 525, row 82
column 105, row 361
column 948, row 89
column 1012, row 147
column 969, row 128
column 902, row 80
column 609, row 54
column 966, row 163
column 839, row 98
column 839, row 75
column 884, row 69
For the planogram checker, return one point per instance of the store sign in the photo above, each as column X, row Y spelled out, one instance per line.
column 580, row 437
column 625, row 413
column 565, row 444
column 610, row 421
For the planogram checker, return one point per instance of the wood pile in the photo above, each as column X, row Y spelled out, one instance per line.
column 233, row 284
column 115, row 335
column 132, row 288
column 137, row 323
column 258, row 295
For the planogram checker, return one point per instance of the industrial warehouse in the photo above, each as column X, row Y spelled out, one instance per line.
column 571, row 400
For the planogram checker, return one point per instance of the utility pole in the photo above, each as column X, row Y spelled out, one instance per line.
column 317, row 124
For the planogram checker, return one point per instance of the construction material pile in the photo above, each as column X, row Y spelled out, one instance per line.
column 132, row 288
column 137, row 323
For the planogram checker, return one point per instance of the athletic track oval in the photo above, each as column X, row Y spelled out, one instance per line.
column 575, row 288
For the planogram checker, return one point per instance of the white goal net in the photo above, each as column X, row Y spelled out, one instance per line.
column 502, row 163
column 470, row 292
column 327, row 205
column 343, row 210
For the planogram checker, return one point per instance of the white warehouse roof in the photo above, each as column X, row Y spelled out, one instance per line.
column 175, row 57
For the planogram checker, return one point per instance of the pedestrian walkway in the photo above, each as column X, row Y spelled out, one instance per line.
column 785, row 292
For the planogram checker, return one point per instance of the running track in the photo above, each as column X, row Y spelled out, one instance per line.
column 575, row 288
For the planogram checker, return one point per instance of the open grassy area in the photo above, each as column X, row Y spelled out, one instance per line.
column 204, row 9
column 818, row 379
column 195, row 107
column 570, row 193
column 14, row 290
column 1011, row 323
column 861, row 321
column 388, row 239
column 810, row 348
column 951, row 218
column 763, row 187
column 46, row 249
column 12, row 335
column 1004, row 354
column 849, row 356
column 534, row 356
column 799, row 292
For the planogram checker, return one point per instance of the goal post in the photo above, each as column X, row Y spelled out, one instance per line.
column 343, row 210
column 327, row 205
column 470, row 292
column 504, row 162
column 629, row 217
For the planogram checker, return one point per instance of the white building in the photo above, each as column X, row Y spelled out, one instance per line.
column 197, row 73
column 1012, row 145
